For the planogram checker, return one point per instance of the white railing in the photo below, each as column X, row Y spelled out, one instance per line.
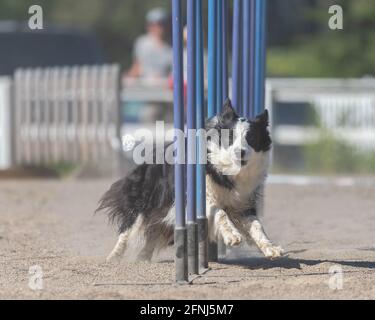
column 65, row 114
column 5, row 124
column 346, row 108
column 72, row 114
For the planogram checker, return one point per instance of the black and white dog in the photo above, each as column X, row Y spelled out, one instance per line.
column 142, row 204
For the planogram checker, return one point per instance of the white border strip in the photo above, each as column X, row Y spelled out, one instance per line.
column 319, row 180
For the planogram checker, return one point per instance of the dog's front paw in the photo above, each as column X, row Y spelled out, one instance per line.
column 232, row 238
column 273, row 252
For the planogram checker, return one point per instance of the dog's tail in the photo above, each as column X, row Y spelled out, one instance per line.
column 114, row 203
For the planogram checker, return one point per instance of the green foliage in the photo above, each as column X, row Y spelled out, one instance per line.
column 331, row 155
column 62, row 169
column 117, row 23
column 293, row 62
column 330, row 53
column 301, row 44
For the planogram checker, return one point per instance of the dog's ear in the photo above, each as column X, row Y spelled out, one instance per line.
column 228, row 113
column 263, row 118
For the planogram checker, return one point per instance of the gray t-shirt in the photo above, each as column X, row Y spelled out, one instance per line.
column 155, row 60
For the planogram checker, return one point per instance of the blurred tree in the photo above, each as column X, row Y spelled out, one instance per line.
column 117, row 23
column 286, row 20
column 300, row 42
column 323, row 52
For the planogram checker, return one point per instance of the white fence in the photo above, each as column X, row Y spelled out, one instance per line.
column 5, row 124
column 65, row 114
column 344, row 107
column 72, row 114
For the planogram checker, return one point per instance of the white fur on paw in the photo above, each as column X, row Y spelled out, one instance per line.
column 232, row 238
column 273, row 252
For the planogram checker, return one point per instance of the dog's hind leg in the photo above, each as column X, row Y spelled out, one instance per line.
column 154, row 240
column 120, row 247
column 146, row 253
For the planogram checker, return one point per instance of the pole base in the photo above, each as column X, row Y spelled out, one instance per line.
column 192, row 249
column 181, row 261
column 203, row 243
column 212, row 252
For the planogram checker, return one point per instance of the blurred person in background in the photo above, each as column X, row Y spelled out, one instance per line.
column 185, row 64
column 153, row 56
column 152, row 63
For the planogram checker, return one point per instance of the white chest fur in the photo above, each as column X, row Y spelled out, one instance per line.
column 250, row 177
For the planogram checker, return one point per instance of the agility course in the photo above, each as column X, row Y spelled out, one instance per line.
column 248, row 77
column 71, row 113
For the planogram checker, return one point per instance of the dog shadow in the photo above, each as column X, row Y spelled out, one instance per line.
column 286, row 262
column 254, row 263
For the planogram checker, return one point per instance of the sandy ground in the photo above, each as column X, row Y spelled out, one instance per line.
column 50, row 223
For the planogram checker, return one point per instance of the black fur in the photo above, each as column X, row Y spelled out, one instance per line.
column 224, row 121
column 149, row 187
column 258, row 136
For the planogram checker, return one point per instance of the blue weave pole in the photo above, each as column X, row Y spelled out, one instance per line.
column 192, row 227
column 237, row 56
column 252, row 61
column 212, row 82
column 222, row 81
column 212, row 57
column 219, row 56
column 225, row 88
column 260, row 55
column 263, row 56
column 181, row 266
column 201, row 113
column 246, row 58
column 201, row 153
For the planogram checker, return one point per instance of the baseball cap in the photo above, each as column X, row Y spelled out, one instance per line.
column 157, row 15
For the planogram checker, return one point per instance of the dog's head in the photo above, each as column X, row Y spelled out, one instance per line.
column 236, row 138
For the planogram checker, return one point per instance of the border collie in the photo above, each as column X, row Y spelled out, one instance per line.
column 142, row 204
